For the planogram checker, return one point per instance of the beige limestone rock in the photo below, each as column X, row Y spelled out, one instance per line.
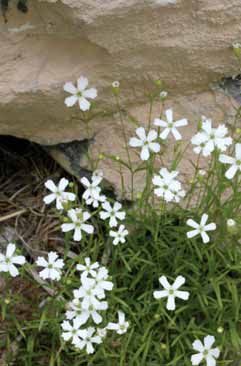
column 184, row 43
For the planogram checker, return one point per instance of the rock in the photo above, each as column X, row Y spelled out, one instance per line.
column 186, row 44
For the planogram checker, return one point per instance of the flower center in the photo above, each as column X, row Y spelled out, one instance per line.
column 78, row 94
column 171, row 292
column 170, row 124
column 205, row 352
column 238, row 162
column 8, row 260
column 50, row 266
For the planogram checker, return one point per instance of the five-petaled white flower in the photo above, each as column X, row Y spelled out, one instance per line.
column 92, row 194
column 200, row 228
column 52, row 266
column 87, row 339
column 71, row 331
column 80, row 94
column 8, row 261
column 234, row 162
column 171, row 291
column 119, row 235
column 167, row 186
column 112, row 213
column 78, row 218
column 210, row 138
column 205, row 352
column 170, row 125
column 58, row 193
column 120, row 327
column 145, row 142
column 88, row 268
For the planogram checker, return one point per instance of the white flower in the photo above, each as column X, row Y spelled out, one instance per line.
column 88, row 268
column 77, row 311
column 119, row 235
column 145, row 142
column 231, row 222
column 171, row 291
column 234, row 162
column 200, row 228
column 87, row 340
column 58, row 193
column 112, row 213
column 78, row 218
column 101, row 282
column 88, row 292
column 116, row 84
column 92, row 193
column 52, row 266
column 120, row 327
column 163, row 94
column 168, row 186
column 205, row 352
column 170, row 125
column 71, row 332
column 210, row 138
column 8, row 261
column 80, row 94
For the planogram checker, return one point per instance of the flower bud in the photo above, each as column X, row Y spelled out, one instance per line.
column 232, row 226
column 163, row 346
column 220, row 329
column 163, row 94
column 237, row 49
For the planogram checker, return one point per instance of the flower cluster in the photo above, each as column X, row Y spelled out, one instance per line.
column 167, row 187
column 210, row 138
column 86, row 307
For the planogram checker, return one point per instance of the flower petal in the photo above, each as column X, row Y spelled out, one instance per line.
column 179, row 281
column 205, row 237
column 196, row 359
column 70, row 101
column 169, row 115
column 49, row 198
column 82, row 83
column 192, row 233
column 160, row 294
column 230, row 173
column 198, row 346
column 145, row 154
column 209, row 341
column 10, row 250
column 164, row 282
column 77, row 234
column 141, row 133
column 63, row 183
column 84, row 104
column 171, row 302
column 70, row 88
column 90, row 93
